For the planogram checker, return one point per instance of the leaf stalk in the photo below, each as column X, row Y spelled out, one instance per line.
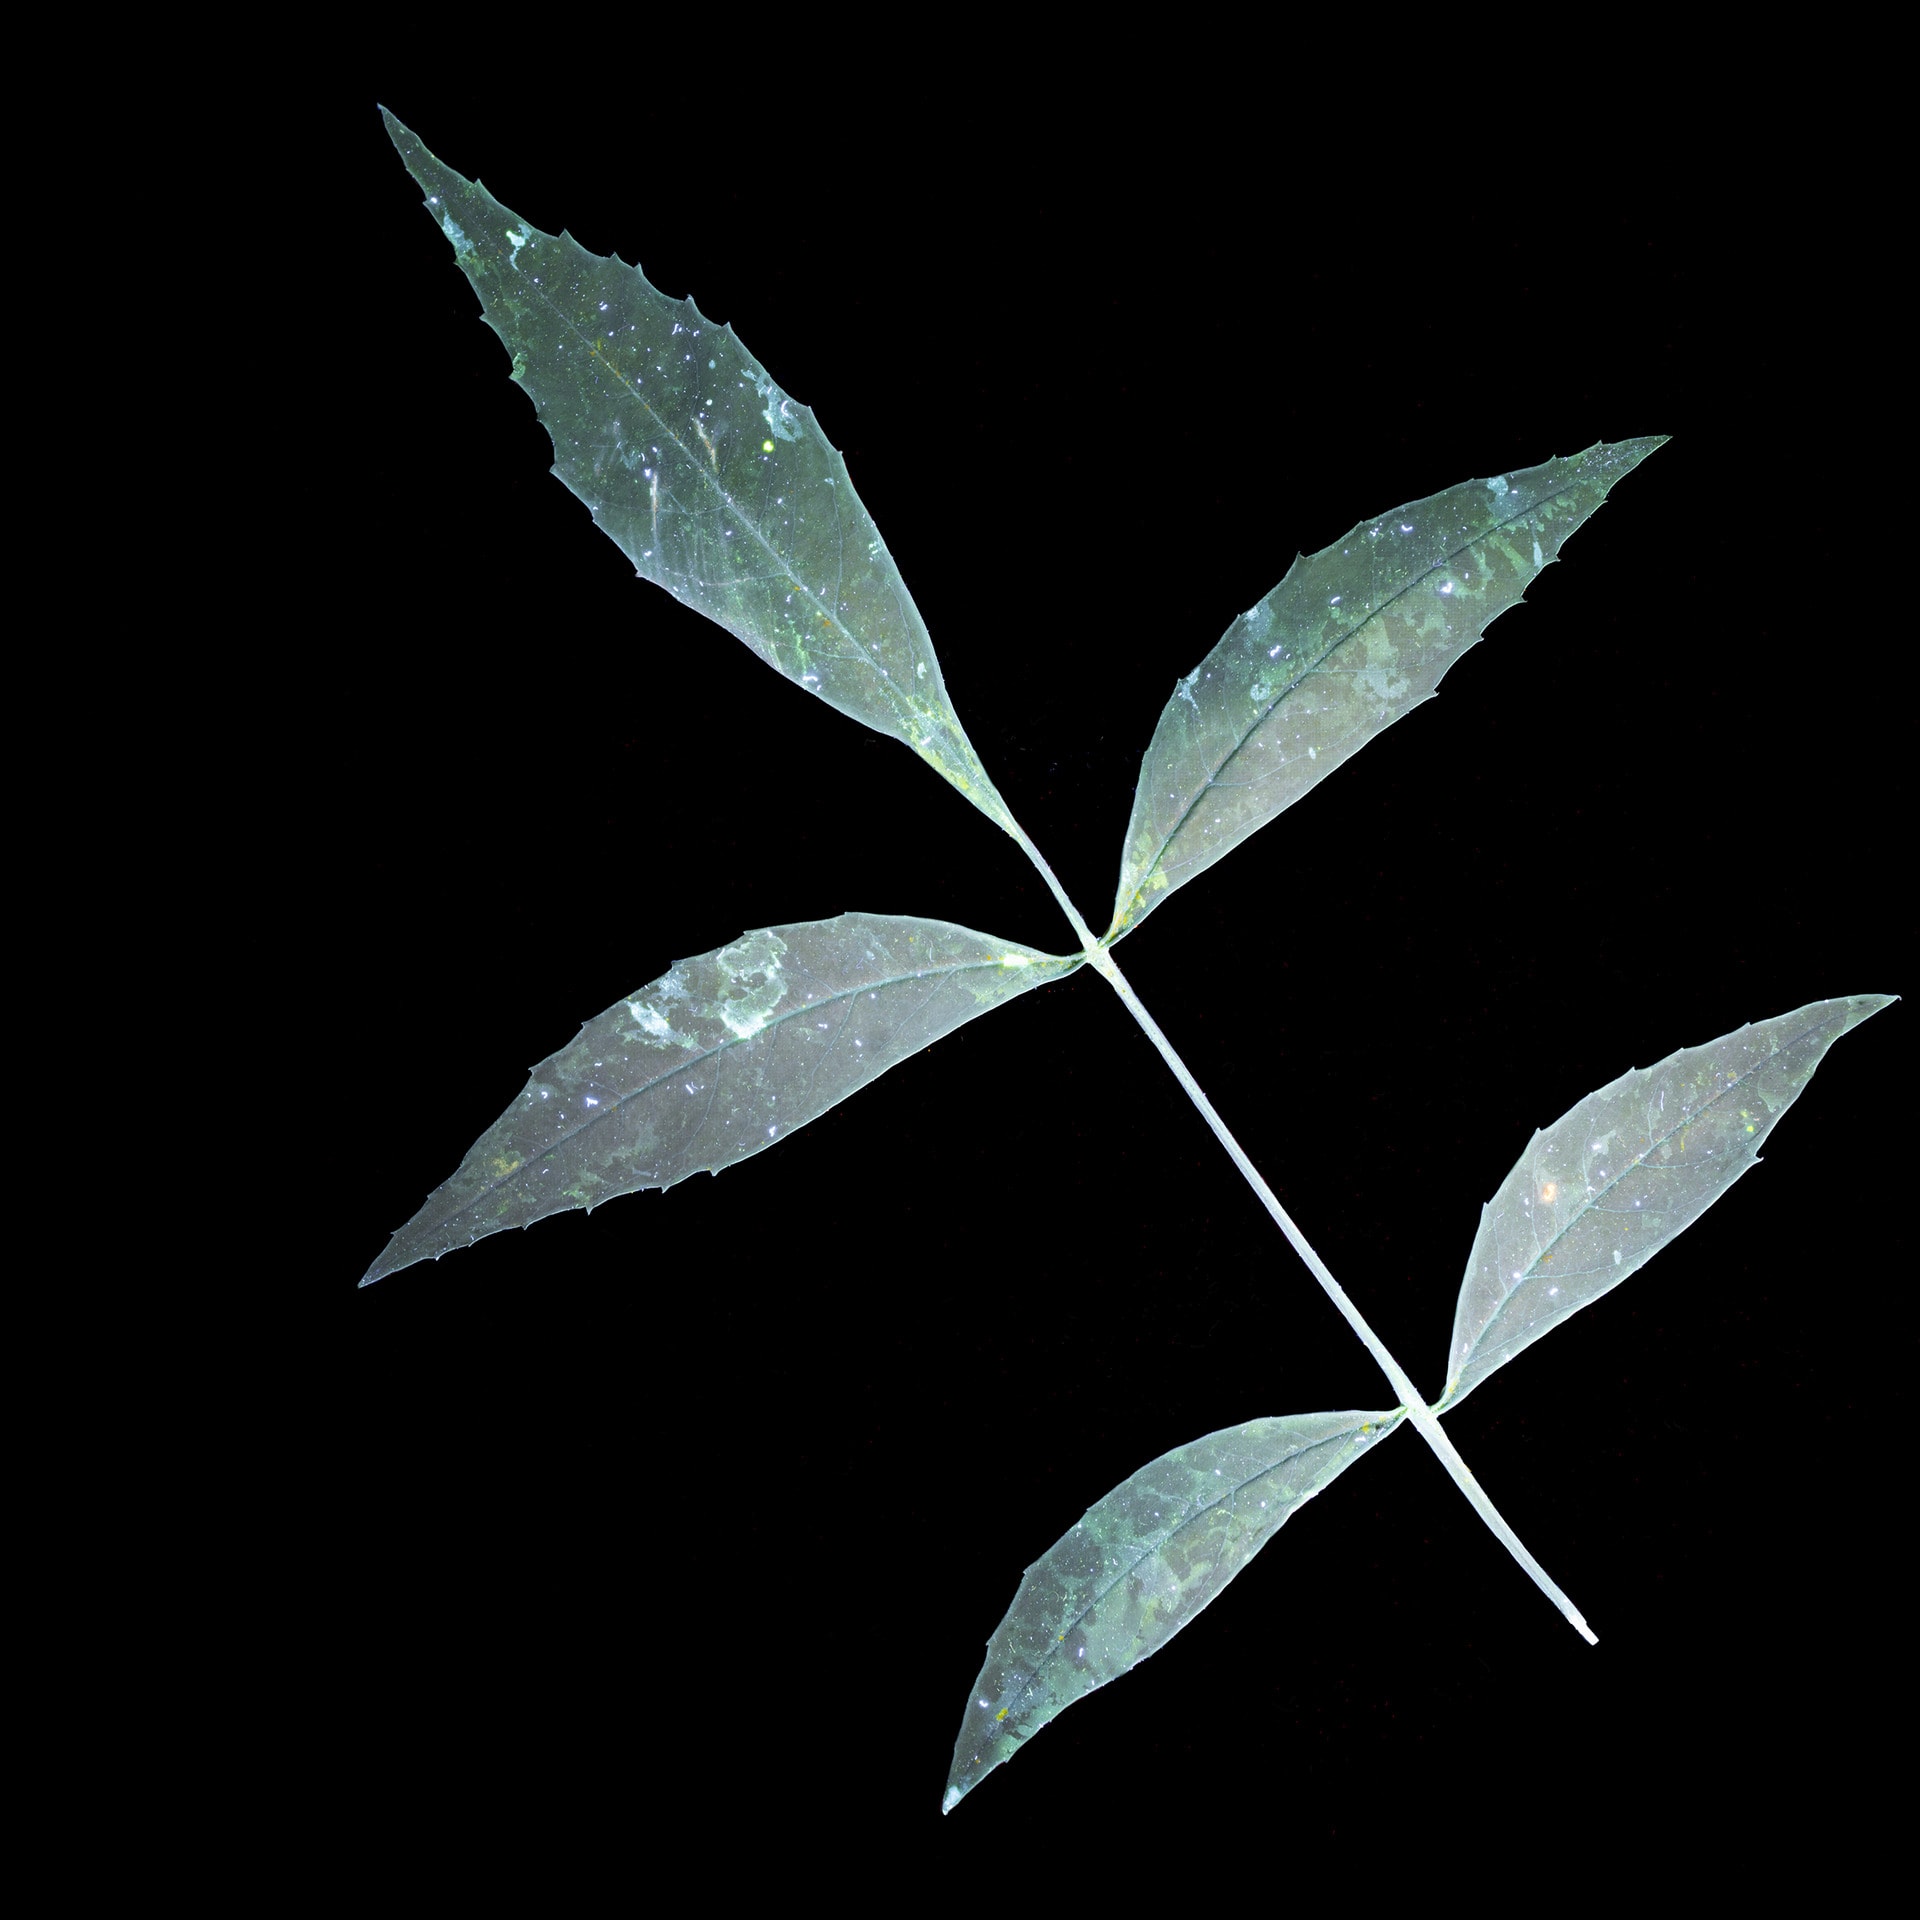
column 1422, row 1415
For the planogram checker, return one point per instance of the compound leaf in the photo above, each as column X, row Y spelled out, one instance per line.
column 718, row 1058
column 1352, row 639
column 1140, row 1566
column 706, row 475
column 1612, row 1181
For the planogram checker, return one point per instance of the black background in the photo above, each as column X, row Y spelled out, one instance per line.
column 676, row 1531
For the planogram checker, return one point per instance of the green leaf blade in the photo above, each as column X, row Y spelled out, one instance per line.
column 707, row 476
column 1614, row 1179
column 715, row 1061
column 1353, row 638
column 1141, row 1564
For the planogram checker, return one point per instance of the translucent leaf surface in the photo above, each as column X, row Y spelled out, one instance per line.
column 1350, row 640
column 717, row 1059
column 1140, row 1566
column 1601, row 1191
column 712, row 480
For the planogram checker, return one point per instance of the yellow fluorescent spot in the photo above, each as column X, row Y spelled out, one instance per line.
column 1002, row 1714
column 1548, row 1191
column 502, row 1165
column 766, row 446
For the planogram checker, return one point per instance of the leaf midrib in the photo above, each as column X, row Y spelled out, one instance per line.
column 1293, row 686
column 939, row 975
column 903, row 710
column 1386, row 1422
column 1597, row 1194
